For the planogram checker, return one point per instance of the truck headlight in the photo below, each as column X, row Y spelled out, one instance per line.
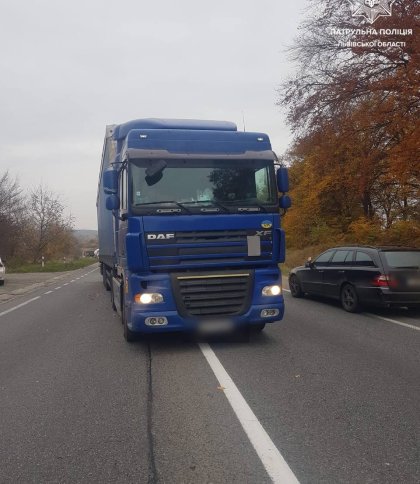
column 148, row 298
column 271, row 290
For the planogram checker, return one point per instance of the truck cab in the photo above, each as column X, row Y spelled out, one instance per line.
column 189, row 226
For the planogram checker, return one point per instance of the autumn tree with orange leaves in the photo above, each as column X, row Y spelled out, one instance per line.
column 355, row 161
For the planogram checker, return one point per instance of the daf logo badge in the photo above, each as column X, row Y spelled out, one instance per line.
column 160, row 236
column 266, row 224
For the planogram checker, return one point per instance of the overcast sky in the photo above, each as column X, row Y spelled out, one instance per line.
column 67, row 69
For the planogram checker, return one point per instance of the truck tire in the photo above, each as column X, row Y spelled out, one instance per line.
column 257, row 328
column 105, row 279
column 112, row 299
column 349, row 299
column 129, row 336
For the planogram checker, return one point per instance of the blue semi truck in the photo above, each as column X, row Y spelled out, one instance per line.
column 189, row 226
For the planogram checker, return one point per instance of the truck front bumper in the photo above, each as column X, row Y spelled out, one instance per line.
column 179, row 323
column 260, row 308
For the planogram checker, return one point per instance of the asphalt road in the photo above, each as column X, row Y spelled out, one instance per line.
column 338, row 394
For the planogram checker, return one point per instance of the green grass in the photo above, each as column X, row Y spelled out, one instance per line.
column 53, row 266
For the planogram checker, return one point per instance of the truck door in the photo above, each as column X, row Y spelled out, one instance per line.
column 123, row 224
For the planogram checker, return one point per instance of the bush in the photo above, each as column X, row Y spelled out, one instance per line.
column 365, row 232
column 403, row 233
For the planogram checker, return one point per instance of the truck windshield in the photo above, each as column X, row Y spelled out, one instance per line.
column 225, row 183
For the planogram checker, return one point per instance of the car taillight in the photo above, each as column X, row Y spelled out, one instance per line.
column 384, row 281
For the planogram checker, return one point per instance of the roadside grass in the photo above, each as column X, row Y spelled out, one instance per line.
column 53, row 266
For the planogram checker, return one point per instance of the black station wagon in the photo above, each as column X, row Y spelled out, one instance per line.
column 361, row 275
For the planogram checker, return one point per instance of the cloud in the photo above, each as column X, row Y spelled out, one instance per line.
column 69, row 69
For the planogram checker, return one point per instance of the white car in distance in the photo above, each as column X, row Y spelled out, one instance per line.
column 2, row 272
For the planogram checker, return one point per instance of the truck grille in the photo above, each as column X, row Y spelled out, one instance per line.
column 213, row 294
column 205, row 248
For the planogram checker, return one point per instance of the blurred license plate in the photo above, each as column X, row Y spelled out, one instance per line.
column 215, row 326
column 413, row 282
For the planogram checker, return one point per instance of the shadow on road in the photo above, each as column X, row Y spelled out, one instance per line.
column 392, row 312
column 185, row 340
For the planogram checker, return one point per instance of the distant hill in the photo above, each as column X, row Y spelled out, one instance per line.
column 84, row 236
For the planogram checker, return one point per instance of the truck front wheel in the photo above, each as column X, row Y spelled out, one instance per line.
column 129, row 335
column 257, row 328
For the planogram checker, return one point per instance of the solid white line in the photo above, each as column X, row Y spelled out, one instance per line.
column 400, row 323
column 273, row 461
column 19, row 306
column 48, row 292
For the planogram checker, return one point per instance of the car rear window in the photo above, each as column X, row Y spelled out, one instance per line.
column 403, row 259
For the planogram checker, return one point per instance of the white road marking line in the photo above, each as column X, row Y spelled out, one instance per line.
column 376, row 316
column 48, row 292
column 72, row 280
column 59, row 287
column 272, row 460
column 19, row 306
column 400, row 323
column 287, row 290
column 66, row 284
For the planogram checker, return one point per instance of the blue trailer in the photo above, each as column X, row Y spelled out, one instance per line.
column 189, row 223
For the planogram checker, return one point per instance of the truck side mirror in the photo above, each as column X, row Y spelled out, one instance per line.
column 309, row 263
column 111, row 181
column 112, row 202
column 285, row 202
column 282, row 180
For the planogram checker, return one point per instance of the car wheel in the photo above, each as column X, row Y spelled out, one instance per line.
column 129, row 335
column 295, row 287
column 349, row 299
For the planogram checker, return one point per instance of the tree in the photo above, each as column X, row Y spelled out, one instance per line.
column 355, row 115
column 50, row 231
column 12, row 216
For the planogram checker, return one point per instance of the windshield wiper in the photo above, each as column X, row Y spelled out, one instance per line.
column 180, row 205
column 217, row 204
column 250, row 204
